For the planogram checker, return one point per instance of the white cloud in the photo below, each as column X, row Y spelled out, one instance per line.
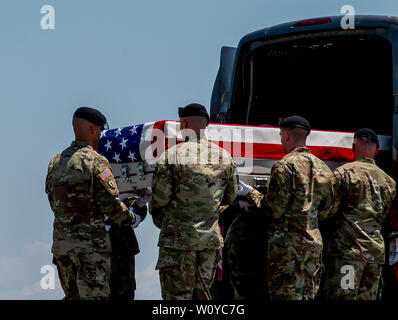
column 34, row 291
column 37, row 248
column 148, row 285
column 11, row 269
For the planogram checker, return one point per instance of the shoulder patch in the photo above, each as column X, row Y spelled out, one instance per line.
column 105, row 174
column 111, row 184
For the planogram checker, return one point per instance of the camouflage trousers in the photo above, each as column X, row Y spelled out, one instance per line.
column 247, row 272
column 187, row 274
column 122, row 277
column 84, row 275
column 367, row 279
column 294, row 280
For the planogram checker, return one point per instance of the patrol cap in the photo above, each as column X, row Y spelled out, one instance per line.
column 193, row 109
column 295, row 122
column 367, row 133
column 92, row 115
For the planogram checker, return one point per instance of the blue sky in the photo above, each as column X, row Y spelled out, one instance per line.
column 136, row 61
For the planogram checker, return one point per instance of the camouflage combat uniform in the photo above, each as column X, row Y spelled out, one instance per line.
column 246, row 271
column 124, row 248
column 363, row 195
column 299, row 194
column 187, row 195
column 82, row 191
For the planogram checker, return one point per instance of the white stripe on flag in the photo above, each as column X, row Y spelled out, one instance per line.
column 270, row 135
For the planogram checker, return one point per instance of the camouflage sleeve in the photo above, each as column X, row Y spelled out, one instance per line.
column 257, row 204
column 162, row 186
column 231, row 189
column 389, row 196
column 48, row 178
column 48, row 192
column 131, row 202
column 274, row 203
column 325, row 206
column 107, row 195
column 279, row 190
column 338, row 192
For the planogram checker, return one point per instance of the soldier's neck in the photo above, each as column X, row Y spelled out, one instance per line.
column 91, row 142
column 359, row 156
column 298, row 145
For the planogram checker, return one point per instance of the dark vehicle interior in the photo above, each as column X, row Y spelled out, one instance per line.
column 337, row 82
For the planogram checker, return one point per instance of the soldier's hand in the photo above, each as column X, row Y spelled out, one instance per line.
column 138, row 220
column 244, row 189
column 128, row 198
column 107, row 222
column 143, row 200
column 243, row 204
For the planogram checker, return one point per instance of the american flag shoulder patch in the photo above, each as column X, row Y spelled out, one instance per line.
column 105, row 174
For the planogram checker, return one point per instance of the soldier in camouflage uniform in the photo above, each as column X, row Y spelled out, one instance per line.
column 82, row 191
column 246, row 271
column 193, row 179
column 363, row 195
column 298, row 196
column 124, row 248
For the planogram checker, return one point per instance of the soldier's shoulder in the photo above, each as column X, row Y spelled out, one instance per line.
column 54, row 159
column 97, row 156
column 388, row 179
column 222, row 152
column 92, row 159
column 283, row 166
column 345, row 167
column 175, row 148
column 217, row 147
column 343, row 172
column 293, row 160
column 163, row 158
column 293, row 157
column 322, row 166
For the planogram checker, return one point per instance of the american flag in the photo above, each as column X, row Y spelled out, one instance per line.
column 126, row 144
column 129, row 144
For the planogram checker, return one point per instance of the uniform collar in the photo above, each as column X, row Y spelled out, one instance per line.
column 197, row 139
column 80, row 144
column 301, row 149
column 367, row 160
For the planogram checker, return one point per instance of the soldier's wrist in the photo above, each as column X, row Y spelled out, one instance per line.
column 139, row 210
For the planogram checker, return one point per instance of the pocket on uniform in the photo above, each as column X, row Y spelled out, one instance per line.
column 170, row 257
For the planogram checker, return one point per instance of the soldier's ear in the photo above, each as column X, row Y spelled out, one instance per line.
column 287, row 135
column 93, row 129
column 182, row 124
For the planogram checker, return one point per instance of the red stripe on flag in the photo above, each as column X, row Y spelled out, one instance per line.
column 332, row 153
column 275, row 151
column 159, row 149
column 159, row 125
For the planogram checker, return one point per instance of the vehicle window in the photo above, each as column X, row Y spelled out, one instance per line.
column 338, row 83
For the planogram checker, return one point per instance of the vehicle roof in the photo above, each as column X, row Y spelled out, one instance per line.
column 361, row 21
